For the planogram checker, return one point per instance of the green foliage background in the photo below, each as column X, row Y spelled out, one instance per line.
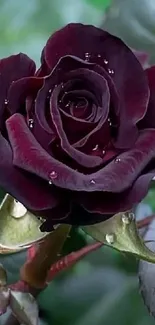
column 103, row 287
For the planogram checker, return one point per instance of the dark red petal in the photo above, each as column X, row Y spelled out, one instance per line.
column 117, row 176
column 64, row 65
column 143, row 58
column 149, row 119
column 101, row 47
column 34, row 193
column 20, row 90
column 105, row 204
column 12, row 69
column 80, row 157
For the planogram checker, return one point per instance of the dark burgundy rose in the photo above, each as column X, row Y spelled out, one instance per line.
column 77, row 136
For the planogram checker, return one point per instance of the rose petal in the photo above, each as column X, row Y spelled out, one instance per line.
column 100, row 47
column 103, row 205
column 149, row 119
column 55, row 78
column 17, row 183
column 12, row 69
column 117, row 176
column 81, row 158
column 143, row 58
column 20, row 90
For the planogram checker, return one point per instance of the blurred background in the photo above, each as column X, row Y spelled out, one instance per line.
column 103, row 288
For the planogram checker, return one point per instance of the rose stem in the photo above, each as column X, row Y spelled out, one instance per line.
column 34, row 272
column 145, row 222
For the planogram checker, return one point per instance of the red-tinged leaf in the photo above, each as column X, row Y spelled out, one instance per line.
column 145, row 222
column 24, row 307
column 71, row 259
column 35, row 271
column 4, row 299
column 20, row 286
column 31, row 252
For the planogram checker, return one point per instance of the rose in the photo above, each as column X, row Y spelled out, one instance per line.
column 78, row 136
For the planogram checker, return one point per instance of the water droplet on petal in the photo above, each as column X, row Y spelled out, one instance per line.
column 95, row 148
column 31, row 123
column 103, row 152
column 111, row 71
column 92, row 181
column 50, row 182
column 110, row 123
column 68, row 104
column 50, row 90
column 87, row 56
column 99, row 55
column 6, row 102
column 110, row 238
column 117, row 160
column 105, row 61
column 53, row 174
column 62, row 85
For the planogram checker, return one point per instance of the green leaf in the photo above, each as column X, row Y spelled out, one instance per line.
column 101, row 4
column 120, row 232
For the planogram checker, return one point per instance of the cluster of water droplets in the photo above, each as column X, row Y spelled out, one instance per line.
column 96, row 148
column 53, row 175
column 88, row 56
column 126, row 219
column 31, row 123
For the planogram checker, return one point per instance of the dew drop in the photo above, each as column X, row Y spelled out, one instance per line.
column 62, row 86
column 41, row 219
column 17, row 209
column 53, row 174
column 95, row 148
column 117, row 160
column 6, row 102
column 99, row 55
column 111, row 71
column 50, row 90
column 31, row 123
column 103, row 152
column 110, row 238
column 87, row 56
column 110, row 123
column 127, row 218
column 92, row 181
column 105, row 61
column 68, row 104
column 50, row 182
